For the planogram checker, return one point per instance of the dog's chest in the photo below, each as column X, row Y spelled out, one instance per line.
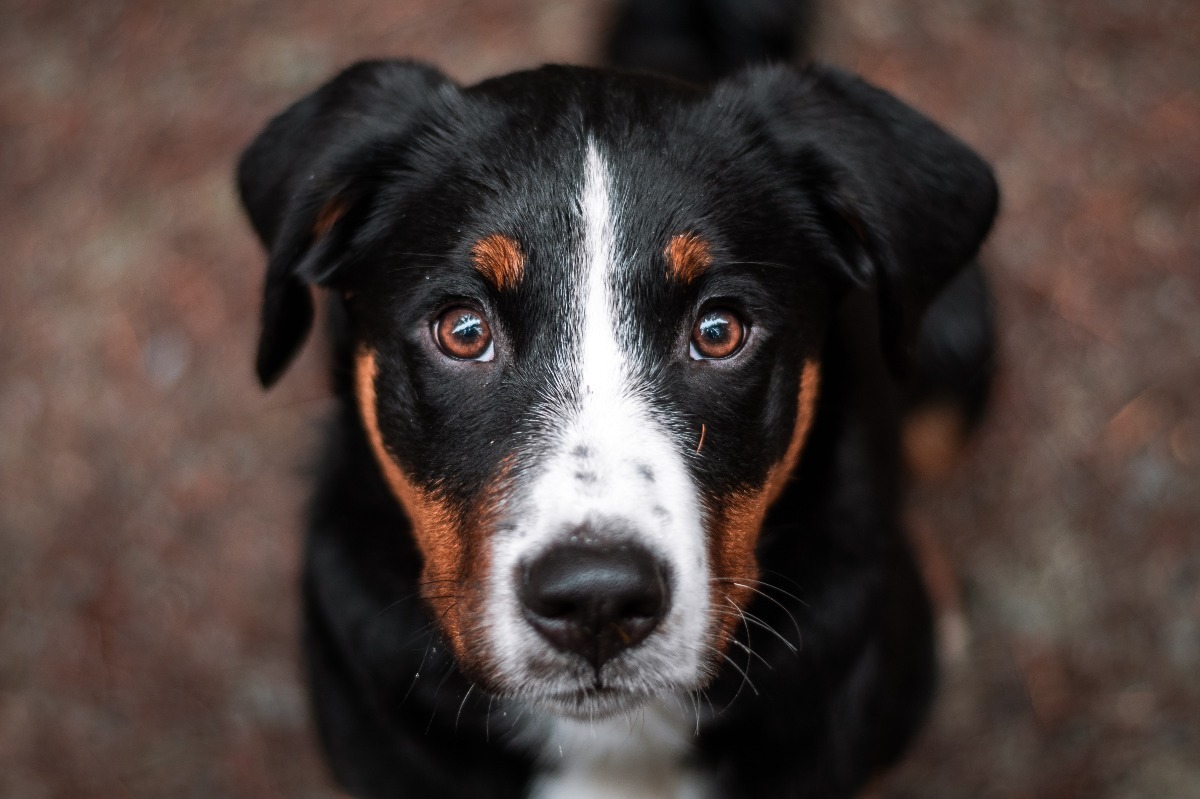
column 640, row 757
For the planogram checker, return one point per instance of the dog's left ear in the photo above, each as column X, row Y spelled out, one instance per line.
column 307, row 183
column 905, row 204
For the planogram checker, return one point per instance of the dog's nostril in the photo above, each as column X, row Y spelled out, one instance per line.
column 595, row 601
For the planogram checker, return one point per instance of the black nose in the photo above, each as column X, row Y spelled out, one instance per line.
column 595, row 601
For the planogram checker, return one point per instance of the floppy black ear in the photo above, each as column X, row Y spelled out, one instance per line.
column 306, row 184
column 906, row 203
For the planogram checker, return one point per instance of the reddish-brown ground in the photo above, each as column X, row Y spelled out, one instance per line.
column 151, row 495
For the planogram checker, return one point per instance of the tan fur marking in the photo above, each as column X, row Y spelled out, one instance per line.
column 431, row 516
column 806, row 407
column 739, row 520
column 687, row 257
column 498, row 258
column 452, row 540
column 435, row 523
column 328, row 216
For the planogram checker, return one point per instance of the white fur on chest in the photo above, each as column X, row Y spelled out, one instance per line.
column 643, row 756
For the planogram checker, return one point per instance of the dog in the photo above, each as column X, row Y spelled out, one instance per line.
column 609, row 506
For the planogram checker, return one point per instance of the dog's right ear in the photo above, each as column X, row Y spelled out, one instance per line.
column 307, row 182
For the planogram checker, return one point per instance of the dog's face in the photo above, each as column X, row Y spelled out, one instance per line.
column 588, row 312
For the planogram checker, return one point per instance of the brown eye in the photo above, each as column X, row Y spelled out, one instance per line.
column 716, row 334
column 463, row 333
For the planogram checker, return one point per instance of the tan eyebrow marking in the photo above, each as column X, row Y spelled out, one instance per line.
column 687, row 256
column 498, row 258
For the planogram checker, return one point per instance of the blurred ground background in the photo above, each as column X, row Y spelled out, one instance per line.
column 151, row 494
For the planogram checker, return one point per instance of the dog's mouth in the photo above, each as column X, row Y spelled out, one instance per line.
column 595, row 702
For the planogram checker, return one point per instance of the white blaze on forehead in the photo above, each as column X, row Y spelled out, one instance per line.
column 602, row 365
column 612, row 421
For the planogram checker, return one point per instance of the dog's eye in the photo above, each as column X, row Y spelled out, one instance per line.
column 463, row 334
column 717, row 334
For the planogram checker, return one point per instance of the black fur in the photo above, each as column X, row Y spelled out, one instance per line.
column 848, row 213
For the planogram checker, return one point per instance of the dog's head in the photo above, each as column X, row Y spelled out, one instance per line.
column 588, row 310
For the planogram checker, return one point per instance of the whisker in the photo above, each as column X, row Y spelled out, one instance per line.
column 431, row 625
column 683, row 709
column 463, row 704
column 764, row 584
column 746, row 646
column 423, row 584
column 736, row 607
column 520, row 714
column 397, row 603
column 759, row 263
column 780, row 605
column 441, row 256
column 424, row 632
column 425, row 656
column 763, row 624
column 751, row 653
column 751, row 617
column 417, row 675
column 437, row 691
column 745, row 680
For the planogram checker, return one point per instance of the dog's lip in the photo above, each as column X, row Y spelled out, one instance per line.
column 596, row 689
column 596, row 701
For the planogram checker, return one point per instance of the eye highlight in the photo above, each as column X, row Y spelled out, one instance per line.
column 463, row 333
column 717, row 334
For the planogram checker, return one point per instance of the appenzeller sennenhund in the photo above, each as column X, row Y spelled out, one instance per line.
column 610, row 503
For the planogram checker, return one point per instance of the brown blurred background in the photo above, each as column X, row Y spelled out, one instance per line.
column 151, row 496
